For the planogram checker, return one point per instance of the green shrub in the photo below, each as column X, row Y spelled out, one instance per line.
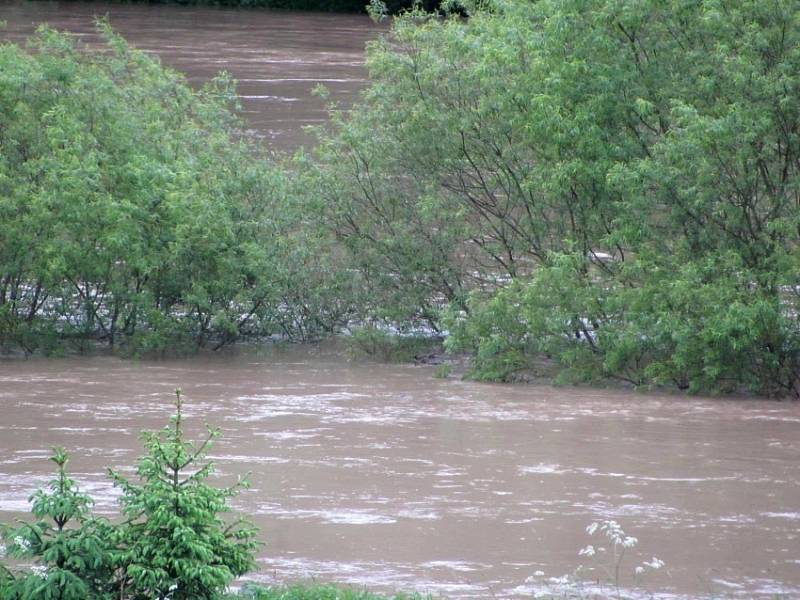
column 74, row 550
column 172, row 543
column 443, row 371
column 608, row 185
column 135, row 210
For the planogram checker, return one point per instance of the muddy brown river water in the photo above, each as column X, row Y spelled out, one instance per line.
column 277, row 58
column 384, row 476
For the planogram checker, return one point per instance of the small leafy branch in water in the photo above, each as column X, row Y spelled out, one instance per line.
column 172, row 543
column 375, row 343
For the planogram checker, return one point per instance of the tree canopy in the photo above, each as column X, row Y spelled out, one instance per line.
column 605, row 187
column 136, row 212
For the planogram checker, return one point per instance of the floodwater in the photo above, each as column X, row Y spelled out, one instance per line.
column 384, row 476
column 276, row 57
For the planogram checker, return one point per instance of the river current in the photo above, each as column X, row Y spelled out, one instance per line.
column 277, row 58
column 384, row 476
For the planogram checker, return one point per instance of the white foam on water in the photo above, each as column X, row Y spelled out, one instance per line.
column 542, row 469
column 792, row 516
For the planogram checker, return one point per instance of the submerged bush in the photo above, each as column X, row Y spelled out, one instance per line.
column 135, row 212
column 610, row 186
column 374, row 343
column 316, row 592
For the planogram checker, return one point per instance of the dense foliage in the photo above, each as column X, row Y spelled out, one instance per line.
column 172, row 543
column 597, row 189
column 608, row 188
column 73, row 548
column 135, row 213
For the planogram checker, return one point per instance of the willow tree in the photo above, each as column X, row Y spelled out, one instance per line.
column 611, row 186
column 135, row 210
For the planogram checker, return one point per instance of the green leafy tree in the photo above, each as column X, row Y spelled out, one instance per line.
column 607, row 187
column 173, row 542
column 136, row 213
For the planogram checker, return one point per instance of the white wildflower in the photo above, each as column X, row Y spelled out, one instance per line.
column 22, row 543
column 614, row 532
column 654, row 563
column 39, row 571
column 639, row 570
column 629, row 542
column 588, row 551
column 592, row 528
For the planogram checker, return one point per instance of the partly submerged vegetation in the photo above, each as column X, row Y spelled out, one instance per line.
column 601, row 190
column 135, row 213
column 607, row 188
column 604, row 193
